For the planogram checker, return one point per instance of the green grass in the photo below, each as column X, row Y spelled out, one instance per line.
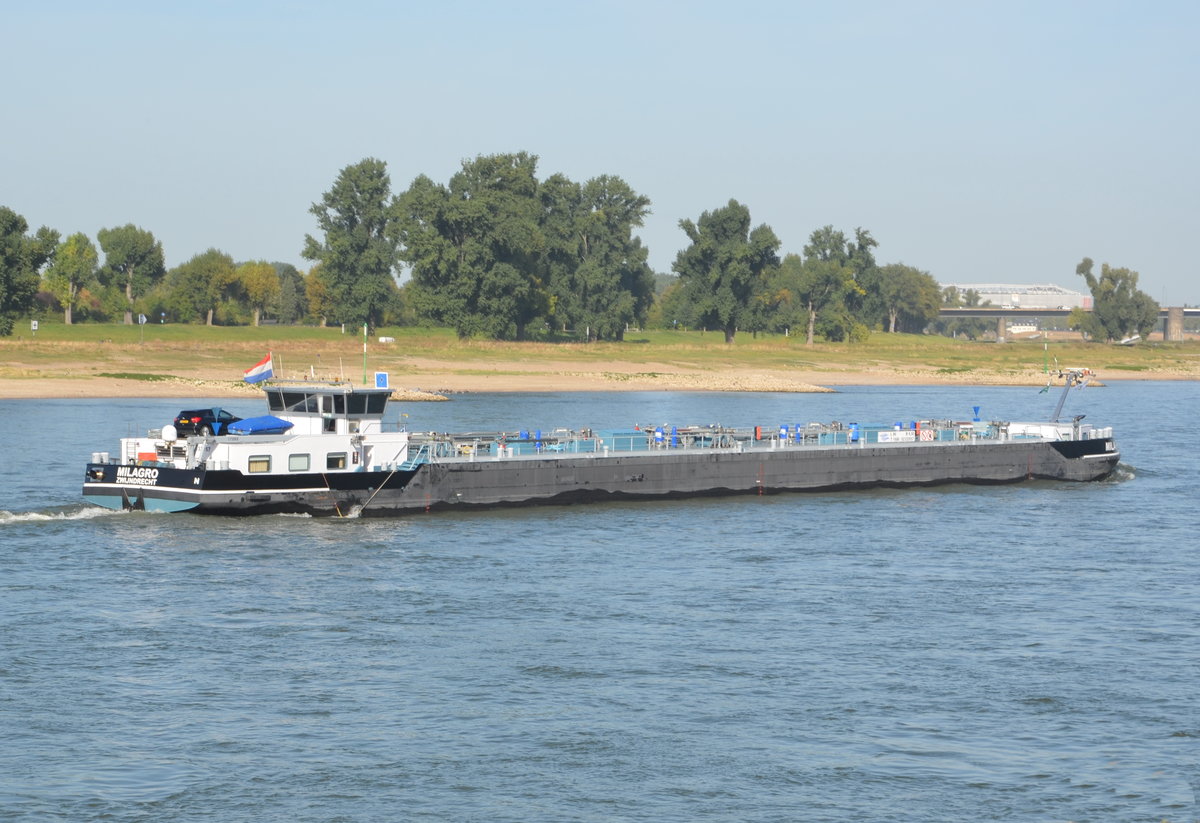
column 159, row 352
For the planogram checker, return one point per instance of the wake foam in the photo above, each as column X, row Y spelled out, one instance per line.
column 1122, row 473
column 57, row 515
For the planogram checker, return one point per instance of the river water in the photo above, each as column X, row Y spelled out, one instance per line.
column 1027, row 652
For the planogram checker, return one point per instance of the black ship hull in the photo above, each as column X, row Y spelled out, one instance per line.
column 521, row 480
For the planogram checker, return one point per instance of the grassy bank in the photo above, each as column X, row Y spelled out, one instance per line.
column 426, row 356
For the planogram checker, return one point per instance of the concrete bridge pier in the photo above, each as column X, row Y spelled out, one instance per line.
column 1001, row 329
column 1173, row 325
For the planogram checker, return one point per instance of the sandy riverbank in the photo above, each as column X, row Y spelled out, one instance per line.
column 430, row 380
column 197, row 361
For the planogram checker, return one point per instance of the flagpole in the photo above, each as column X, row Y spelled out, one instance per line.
column 364, row 354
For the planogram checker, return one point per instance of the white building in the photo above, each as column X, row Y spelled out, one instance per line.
column 1017, row 296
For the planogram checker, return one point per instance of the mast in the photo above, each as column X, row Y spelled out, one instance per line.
column 1073, row 376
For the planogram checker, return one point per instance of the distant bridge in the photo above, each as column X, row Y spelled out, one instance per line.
column 1172, row 317
column 997, row 311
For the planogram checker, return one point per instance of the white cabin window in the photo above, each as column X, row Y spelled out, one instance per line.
column 298, row 462
column 259, row 463
column 335, row 460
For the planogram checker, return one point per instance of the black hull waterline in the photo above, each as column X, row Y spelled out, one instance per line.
column 522, row 480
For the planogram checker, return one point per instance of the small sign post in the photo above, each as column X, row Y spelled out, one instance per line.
column 33, row 327
column 141, row 328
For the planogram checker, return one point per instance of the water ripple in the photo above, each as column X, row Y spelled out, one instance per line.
column 1009, row 653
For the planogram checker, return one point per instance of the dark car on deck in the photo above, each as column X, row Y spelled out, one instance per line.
column 203, row 421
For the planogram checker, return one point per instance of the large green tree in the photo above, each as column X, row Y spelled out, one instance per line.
column 316, row 296
column 357, row 252
column 844, row 313
column 475, row 247
column 21, row 258
column 290, row 305
column 673, row 309
column 560, row 201
column 596, row 268
column 197, row 288
column 74, row 268
column 911, row 298
column 260, row 282
column 1119, row 308
column 831, row 245
column 805, row 288
column 133, row 262
column 725, row 268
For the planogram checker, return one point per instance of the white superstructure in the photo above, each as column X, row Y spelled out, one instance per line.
column 334, row 428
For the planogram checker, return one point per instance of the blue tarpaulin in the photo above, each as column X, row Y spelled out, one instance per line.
column 266, row 424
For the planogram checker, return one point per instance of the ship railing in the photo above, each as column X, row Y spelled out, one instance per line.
column 469, row 446
column 415, row 459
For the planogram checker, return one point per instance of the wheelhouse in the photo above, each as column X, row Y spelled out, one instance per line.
column 328, row 408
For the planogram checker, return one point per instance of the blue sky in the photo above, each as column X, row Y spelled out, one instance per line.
column 979, row 141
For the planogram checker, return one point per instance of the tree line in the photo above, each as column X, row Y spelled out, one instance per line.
column 498, row 253
column 493, row 253
column 68, row 275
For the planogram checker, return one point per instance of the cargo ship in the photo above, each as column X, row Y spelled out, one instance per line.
column 324, row 449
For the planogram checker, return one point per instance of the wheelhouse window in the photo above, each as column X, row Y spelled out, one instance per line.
column 259, row 463
column 285, row 400
column 326, row 402
column 298, row 462
column 335, row 460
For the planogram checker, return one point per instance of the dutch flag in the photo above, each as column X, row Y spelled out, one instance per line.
column 259, row 371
